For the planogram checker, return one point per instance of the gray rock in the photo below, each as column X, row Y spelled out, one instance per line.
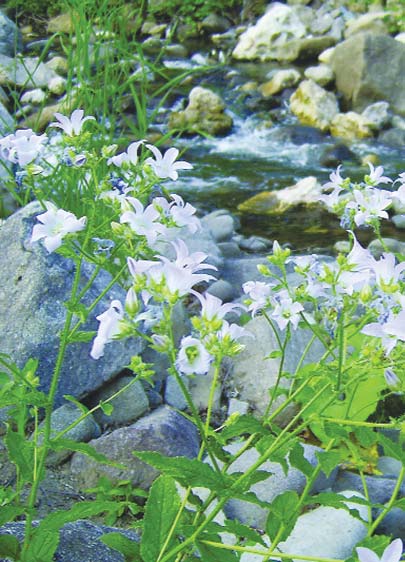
column 254, row 244
column 6, row 125
column 393, row 137
column 10, row 36
column 229, row 249
column 128, row 406
column 253, row 376
column 389, row 466
column 321, row 74
column 399, row 221
column 239, row 270
column 28, row 72
column 393, row 524
column 34, row 286
column 267, row 490
column 327, row 532
column 369, row 68
column 221, row 225
column 79, row 541
column 392, row 244
column 377, row 114
column 223, row 290
column 164, row 430
column 213, row 23
column 379, row 488
column 83, row 432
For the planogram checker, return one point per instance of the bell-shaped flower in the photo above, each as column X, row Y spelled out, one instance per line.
column 109, row 328
column 212, row 307
column 392, row 553
column 129, row 157
column 71, row 126
column 259, row 294
column 22, row 147
column 369, row 205
column 183, row 214
column 55, row 224
column 144, row 222
column 335, row 181
column 387, row 272
column 390, row 331
column 376, row 176
column 193, row 358
column 165, row 166
column 286, row 311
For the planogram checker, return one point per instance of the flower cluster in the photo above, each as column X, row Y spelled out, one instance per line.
column 361, row 204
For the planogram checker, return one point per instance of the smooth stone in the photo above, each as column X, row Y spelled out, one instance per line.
column 351, row 126
column 58, row 64
column 327, row 532
column 36, row 97
column 128, row 406
column 254, row 244
column 372, row 22
column 10, row 36
column 321, row 74
column 220, row 224
column 393, row 523
column 213, row 23
column 393, row 137
column 379, row 488
column 399, row 221
column 236, row 406
column 281, row 80
column 79, row 541
column 389, row 466
column 61, row 24
column 377, row 114
column 253, row 376
column 83, row 432
column 164, row 430
column 57, row 85
column 28, row 72
column 229, row 249
column 222, row 290
column 392, row 244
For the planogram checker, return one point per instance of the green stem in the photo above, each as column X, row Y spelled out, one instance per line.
column 391, row 502
column 342, row 349
column 48, row 411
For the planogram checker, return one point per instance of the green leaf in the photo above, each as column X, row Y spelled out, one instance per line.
column 243, row 531
column 328, row 460
column 161, row 510
column 76, row 402
column 274, row 354
column 45, row 538
column 106, row 408
column 9, row 547
column 241, row 425
column 392, row 449
column 189, row 472
column 9, row 513
column 283, row 515
column 81, row 336
column 62, row 443
column 298, row 460
column 21, row 453
column 129, row 549
column 211, row 553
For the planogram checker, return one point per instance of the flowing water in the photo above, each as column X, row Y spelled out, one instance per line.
column 259, row 156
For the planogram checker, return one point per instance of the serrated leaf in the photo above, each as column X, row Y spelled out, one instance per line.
column 243, row 424
column 328, row 460
column 298, row 460
column 392, row 449
column 161, row 511
column 9, row 547
column 9, row 513
column 243, row 531
column 129, row 549
column 188, row 472
column 45, row 537
column 283, row 515
column 211, row 553
column 82, row 336
column 62, row 443
column 21, row 453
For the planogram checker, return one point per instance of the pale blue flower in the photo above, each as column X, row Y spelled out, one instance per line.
column 144, row 222
column 71, row 126
column 376, row 175
column 193, row 358
column 259, row 293
column 392, row 553
column 165, row 166
column 108, row 329
column 55, row 224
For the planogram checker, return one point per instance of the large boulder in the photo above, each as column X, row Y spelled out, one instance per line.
column 371, row 68
column 313, row 105
column 34, row 286
column 351, row 126
column 205, row 113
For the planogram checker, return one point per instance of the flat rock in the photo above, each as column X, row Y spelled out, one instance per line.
column 27, row 72
column 164, row 430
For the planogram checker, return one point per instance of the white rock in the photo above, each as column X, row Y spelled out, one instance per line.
column 266, row 39
column 36, row 97
column 326, row 55
column 377, row 114
column 321, row 74
column 313, row 105
column 57, row 85
column 400, row 37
